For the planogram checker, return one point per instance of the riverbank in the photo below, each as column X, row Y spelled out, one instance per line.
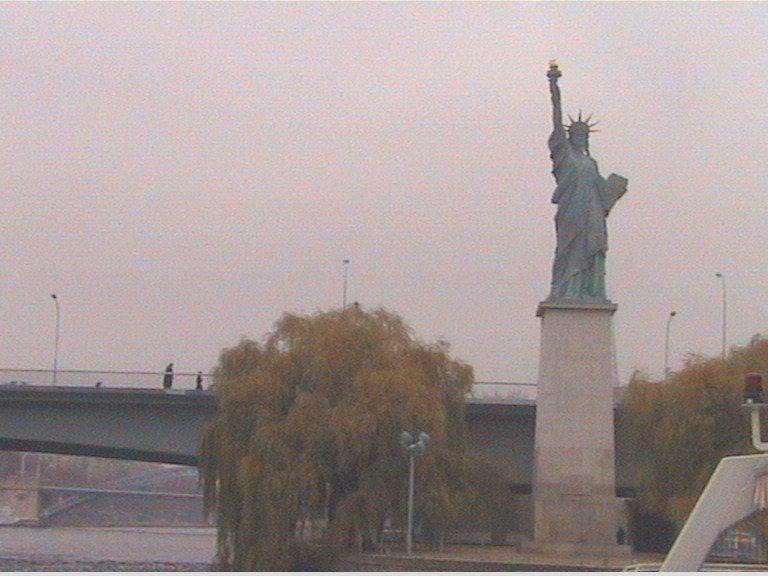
column 55, row 549
column 46, row 563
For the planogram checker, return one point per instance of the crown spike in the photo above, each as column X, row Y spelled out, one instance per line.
column 585, row 122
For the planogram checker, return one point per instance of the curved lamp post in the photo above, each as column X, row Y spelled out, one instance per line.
column 722, row 280
column 413, row 447
column 666, row 346
column 56, row 341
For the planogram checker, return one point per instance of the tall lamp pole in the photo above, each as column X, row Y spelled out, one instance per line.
column 413, row 447
column 666, row 346
column 725, row 307
column 344, row 294
column 56, row 341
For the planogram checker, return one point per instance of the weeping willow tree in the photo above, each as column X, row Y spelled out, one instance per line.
column 308, row 427
column 687, row 424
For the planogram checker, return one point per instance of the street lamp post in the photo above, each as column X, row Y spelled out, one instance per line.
column 722, row 280
column 344, row 294
column 666, row 346
column 413, row 447
column 56, row 341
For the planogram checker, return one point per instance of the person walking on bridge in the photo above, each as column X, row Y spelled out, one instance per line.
column 168, row 377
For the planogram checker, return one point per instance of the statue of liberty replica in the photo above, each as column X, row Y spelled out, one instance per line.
column 575, row 509
column 584, row 199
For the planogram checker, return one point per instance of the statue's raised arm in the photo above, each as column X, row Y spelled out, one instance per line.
column 557, row 111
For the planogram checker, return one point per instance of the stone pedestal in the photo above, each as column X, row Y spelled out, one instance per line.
column 575, row 505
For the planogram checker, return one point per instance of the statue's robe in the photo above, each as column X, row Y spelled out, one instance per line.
column 584, row 199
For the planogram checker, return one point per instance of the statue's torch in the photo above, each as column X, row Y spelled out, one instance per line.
column 553, row 72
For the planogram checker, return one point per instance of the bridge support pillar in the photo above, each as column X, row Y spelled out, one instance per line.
column 574, row 483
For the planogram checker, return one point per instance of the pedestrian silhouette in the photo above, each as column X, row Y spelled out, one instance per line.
column 168, row 377
column 199, row 381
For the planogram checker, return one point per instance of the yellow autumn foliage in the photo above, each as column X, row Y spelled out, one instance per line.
column 686, row 425
column 308, row 427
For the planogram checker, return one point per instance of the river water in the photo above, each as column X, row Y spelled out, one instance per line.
column 173, row 545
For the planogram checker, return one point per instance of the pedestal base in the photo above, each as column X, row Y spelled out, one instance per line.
column 574, row 494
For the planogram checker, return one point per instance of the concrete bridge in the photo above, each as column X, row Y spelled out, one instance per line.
column 130, row 424
column 165, row 425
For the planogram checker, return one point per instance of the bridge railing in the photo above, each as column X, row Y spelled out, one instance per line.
column 503, row 392
column 100, row 378
column 499, row 392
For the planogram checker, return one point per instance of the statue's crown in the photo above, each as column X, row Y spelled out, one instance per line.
column 581, row 125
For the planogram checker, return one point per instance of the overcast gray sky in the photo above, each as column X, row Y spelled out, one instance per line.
column 182, row 173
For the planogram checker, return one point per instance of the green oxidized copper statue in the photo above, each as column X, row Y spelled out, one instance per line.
column 584, row 198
